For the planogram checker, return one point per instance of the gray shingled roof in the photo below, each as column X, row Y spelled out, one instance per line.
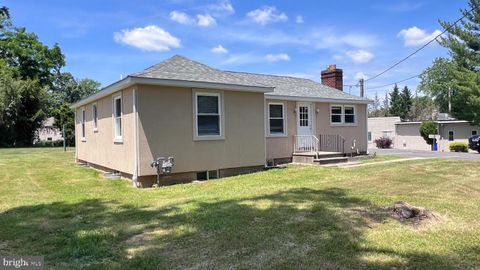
column 296, row 87
column 184, row 69
column 181, row 68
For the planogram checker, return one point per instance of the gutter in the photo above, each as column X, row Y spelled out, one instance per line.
column 316, row 99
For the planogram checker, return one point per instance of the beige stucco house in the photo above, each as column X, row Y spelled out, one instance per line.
column 215, row 123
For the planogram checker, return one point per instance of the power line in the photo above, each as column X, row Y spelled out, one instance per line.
column 419, row 49
column 385, row 85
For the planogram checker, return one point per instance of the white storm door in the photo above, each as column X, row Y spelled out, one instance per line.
column 304, row 119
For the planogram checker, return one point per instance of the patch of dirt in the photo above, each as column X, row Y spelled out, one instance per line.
column 402, row 211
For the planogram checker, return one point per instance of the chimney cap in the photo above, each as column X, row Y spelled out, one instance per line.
column 332, row 67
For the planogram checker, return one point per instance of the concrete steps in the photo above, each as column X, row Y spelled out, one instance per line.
column 319, row 158
column 330, row 160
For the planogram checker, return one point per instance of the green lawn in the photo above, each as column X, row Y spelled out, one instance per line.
column 293, row 218
column 379, row 158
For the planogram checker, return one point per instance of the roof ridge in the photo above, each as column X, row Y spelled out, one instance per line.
column 274, row 75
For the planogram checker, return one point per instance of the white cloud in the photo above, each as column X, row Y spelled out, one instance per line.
column 266, row 14
column 338, row 57
column 219, row 49
column 360, row 56
column 149, row 38
column 360, row 75
column 180, row 17
column 299, row 19
column 415, row 36
column 205, row 20
column 224, row 6
column 277, row 57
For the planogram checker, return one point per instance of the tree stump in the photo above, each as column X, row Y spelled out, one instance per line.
column 406, row 211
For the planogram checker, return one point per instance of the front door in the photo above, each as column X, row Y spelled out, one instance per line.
column 304, row 119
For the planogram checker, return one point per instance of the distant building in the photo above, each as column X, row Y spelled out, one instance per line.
column 381, row 127
column 48, row 132
column 406, row 135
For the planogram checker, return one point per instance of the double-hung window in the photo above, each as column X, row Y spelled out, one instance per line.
column 82, row 119
column 208, row 114
column 276, row 118
column 342, row 115
column 336, row 114
column 349, row 114
column 95, row 117
column 117, row 117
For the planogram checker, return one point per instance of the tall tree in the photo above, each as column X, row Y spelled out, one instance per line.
column 21, row 108
column 422, row 108
column 461, row 72
column 395, row 108
column 437, row 80
column 406, row 101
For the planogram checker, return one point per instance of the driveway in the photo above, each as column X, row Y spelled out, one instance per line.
column 427, row 154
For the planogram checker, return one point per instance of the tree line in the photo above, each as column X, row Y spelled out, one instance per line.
column 451, row 84
column 33, row 85
column 403, row 104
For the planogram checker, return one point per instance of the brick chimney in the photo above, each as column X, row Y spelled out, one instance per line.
column 333, row 77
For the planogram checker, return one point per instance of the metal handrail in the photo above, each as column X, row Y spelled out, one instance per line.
column 331, row 143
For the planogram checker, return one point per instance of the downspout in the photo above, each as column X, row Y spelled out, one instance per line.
column 135, row 139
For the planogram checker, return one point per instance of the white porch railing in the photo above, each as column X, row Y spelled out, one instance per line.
column 305, row 143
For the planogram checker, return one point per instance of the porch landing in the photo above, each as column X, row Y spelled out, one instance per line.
column 319, row 158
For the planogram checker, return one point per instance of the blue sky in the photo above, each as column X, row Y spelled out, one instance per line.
column 104, row 39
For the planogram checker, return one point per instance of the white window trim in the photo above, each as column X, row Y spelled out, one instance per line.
column 117, row 139
column 342, row 117
column 284, row 133
column 95, row 117
column 221, row 136
column 448, row 136
column 83, row 125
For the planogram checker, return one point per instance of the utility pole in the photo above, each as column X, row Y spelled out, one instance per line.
column 450, row 100
column 362, row 90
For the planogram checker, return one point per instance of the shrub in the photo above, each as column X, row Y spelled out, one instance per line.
column 427, row 128
column 56, row 143
column 458, row 147
column 383, row 142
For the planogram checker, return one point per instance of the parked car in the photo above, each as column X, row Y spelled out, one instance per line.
column 474, row 143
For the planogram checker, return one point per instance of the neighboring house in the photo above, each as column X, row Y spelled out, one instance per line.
column 214, row 123
column 48, row 132
column 381, row 127
column 408, row 134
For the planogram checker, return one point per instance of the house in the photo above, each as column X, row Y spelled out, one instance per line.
column 406, row 135
column 48, row 132
column 381, row 127
column 215, row 123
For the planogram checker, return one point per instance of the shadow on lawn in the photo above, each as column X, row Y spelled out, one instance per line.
column 297, row 228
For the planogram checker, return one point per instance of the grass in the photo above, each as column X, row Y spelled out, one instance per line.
column 299, row 217
column 379, row 158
